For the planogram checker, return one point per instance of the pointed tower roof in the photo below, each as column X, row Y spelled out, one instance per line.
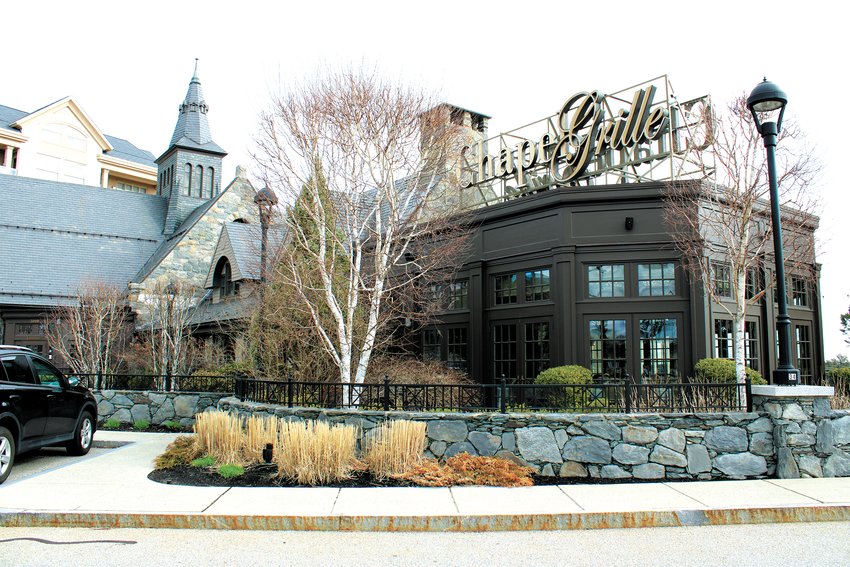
column 193, row 129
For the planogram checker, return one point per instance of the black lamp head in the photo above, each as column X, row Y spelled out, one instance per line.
column 767, row 97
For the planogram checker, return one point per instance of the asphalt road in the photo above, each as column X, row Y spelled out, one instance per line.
column 776, row 545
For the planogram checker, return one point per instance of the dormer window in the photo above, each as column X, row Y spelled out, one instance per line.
column 222, row 281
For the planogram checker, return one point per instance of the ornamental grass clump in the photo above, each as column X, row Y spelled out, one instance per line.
column 395, row 447
column 259, row 431
column 315, row 452
column 181, row 451
column 220, row 435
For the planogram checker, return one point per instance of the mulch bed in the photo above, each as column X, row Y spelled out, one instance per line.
column 149, row 429
column 265, row 476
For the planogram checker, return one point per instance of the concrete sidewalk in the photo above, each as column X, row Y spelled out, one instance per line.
column 112, row 490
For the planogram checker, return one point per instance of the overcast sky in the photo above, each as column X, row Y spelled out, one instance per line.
column 129, row 64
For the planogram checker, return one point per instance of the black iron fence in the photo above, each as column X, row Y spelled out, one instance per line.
column 614, row 397
column 165, row 383
column 609, row 397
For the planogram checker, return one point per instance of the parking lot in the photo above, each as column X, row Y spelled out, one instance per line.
column 49, row 458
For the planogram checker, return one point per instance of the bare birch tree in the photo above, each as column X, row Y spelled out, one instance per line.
column 167, row 330
column 89, row 334
column 721, row 224
column 368, row 162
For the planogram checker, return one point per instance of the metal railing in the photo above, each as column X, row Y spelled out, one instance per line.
column 165, row 383
column 608, row 397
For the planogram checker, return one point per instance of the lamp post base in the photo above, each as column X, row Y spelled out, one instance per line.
column 786, row 377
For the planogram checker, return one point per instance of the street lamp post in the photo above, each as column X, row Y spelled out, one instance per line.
column 265, row 200
column 764, row 103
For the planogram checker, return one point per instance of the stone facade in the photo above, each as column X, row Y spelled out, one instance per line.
column 728, row 445
column 154, row 407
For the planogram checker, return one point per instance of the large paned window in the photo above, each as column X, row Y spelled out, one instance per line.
column 505, row 351
column 432, row 345
column 721, row 275
column 458, row 295
column 505, row 289
column 754, row 284
column 804, row 353
column 536, row 349
column 607, row 280
column 751, row 344
column 799, row 292
column 537, row 285
column 724, row 345
column 608, row 347
column 457, row 349
column 723, row 338
column 657, row 279
column 659, row 348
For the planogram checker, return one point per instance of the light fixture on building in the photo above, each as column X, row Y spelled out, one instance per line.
column 767, row 104
column 630, row 223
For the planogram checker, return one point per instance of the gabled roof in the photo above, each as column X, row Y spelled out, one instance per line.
column 240, row 243
column 58, row 236
column 110, row 145
column 77, row 111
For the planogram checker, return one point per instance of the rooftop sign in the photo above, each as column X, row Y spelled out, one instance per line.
column 631, row 136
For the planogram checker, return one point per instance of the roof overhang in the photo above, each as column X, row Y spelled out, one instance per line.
column 76, row 110
column 126, row 167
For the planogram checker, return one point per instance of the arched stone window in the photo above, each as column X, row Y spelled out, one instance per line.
column 188, row 191
column 221, row 279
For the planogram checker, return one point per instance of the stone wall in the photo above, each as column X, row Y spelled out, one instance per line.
column 810, row 438
column 728, row 445
column 154, row 407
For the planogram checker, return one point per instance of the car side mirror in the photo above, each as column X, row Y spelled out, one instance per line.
column 73, row 381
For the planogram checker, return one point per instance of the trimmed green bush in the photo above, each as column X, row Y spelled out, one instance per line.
column 570, row 374
column 203, row 462
column 231, row 471
column 722, row 370
column 568, row 398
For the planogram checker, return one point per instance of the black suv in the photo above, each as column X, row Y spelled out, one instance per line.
column 40, row 407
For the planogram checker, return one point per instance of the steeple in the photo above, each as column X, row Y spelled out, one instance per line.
column 190, row 169
column 193, row 128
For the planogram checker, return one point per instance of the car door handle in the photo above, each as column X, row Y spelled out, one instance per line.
column 15, row 397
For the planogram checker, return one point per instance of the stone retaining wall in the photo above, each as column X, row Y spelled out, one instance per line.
column 154, row 407
column 618, row 446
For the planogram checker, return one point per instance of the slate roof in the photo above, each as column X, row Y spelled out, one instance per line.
column 193, row 129
column 245, row 242
column 229, row 310
column 9, row 115
column 56, row 236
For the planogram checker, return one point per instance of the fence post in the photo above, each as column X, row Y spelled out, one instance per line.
column 290, row 387
column 503, row 396
column 99, row 380
column 748, row 391
column 168, row 379
column 628, row 385
column 386, row 392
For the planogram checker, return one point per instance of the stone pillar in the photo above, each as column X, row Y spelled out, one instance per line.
column 802, row 429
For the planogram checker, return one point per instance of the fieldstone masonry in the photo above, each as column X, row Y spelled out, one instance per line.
column 792, row 432
column 153, row 407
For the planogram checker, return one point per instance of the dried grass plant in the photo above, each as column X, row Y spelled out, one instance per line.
column 395, row 447
column 220, row 435
column 316, row 452
column 466, row 469
column 259, row 431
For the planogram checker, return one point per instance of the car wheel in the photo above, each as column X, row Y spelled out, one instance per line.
column 7, row 453
column 82, row 436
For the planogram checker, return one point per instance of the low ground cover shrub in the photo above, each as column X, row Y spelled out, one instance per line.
column 171, row 425
column 181, row 451
column 111, row 423
column 231, row 471
column 203, row 462
column 466, row 469
column 141, row 424
column 722, row 370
